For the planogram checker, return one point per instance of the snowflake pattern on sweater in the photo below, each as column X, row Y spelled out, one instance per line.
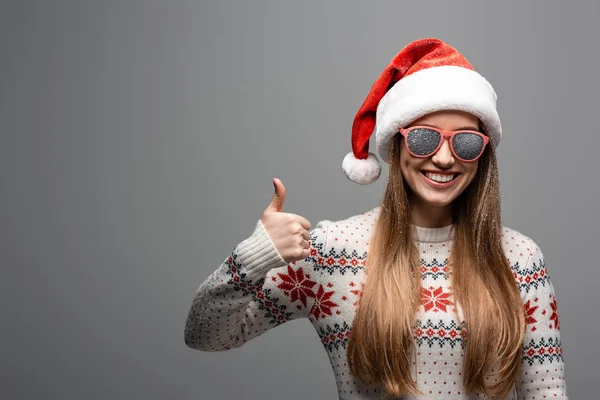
column 255, row 290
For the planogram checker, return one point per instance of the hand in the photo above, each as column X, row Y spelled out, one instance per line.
column 288, row 232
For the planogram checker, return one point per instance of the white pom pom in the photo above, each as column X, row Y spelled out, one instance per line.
column 361, row 171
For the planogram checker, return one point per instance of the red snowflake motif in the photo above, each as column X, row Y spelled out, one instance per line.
column 529, row 310
column 554, row 316
column 435, row 298
column 296, row 284
column 323, row 304
column 358, row 293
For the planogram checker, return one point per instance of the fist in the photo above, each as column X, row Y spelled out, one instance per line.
column 288, row 232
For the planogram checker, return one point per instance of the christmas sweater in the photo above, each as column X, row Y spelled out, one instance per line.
column 255, row 290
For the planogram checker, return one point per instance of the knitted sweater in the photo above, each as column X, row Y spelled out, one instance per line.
column 255, row 290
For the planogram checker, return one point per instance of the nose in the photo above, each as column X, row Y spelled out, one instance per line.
column 444, row 157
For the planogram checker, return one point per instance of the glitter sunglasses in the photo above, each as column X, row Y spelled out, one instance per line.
column 423, row 141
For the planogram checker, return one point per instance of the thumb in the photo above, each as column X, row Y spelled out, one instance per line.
column 278, row 197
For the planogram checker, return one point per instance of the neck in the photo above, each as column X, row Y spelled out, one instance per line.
column 428, row 216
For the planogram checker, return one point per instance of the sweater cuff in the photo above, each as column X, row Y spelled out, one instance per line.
column 258, row 254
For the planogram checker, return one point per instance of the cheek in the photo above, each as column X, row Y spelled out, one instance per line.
column 475, row 166
column 471, row 170
column 407, row 165
column 407, row 161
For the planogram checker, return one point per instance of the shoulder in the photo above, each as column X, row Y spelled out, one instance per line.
column 365, row 218
column 519, row 247
column 346, row 226
column 349, row 234
column 525, row 257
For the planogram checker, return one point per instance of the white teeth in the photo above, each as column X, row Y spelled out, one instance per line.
column 439, row 178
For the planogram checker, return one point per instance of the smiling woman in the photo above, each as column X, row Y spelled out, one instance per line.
column 427, row 295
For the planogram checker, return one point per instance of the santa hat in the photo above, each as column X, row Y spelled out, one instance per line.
column 427, row 75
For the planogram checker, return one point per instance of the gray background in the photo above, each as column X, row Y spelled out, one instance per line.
column 139, row 139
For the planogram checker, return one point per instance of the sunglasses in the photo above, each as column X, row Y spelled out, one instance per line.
column 423, row 141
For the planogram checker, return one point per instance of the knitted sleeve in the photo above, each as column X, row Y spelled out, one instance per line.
column 252, row 291
column 543, row 366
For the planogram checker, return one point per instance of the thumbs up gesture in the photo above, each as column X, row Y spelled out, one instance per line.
column 288, row 232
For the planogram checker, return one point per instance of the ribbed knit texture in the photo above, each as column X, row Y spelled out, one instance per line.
column 255, row 290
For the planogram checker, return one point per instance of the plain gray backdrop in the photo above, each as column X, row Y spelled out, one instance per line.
column 140, row 137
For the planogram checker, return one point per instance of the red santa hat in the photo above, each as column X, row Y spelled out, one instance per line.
column 427, row 75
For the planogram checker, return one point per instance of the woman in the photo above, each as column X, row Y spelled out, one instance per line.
column 426, row 296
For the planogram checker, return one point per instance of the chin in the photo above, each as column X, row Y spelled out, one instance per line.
column 437, row 201
column 434, row 203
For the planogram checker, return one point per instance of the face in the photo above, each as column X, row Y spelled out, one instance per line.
column 414, row 169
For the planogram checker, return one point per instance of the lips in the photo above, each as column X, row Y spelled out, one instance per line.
column 440, row 177
column 441, row 185
column 440, row 172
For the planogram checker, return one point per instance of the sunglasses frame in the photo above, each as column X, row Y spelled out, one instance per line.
column 443, row 134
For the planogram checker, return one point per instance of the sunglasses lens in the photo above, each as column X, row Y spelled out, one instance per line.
column 422, row 141
column 467, row 145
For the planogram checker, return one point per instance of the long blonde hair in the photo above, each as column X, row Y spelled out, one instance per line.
column 381, row 346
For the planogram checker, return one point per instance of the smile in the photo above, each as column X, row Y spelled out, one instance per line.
column 439, row 180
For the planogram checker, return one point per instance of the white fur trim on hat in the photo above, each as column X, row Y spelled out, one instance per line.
column 361, row 171
column 434, row 89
